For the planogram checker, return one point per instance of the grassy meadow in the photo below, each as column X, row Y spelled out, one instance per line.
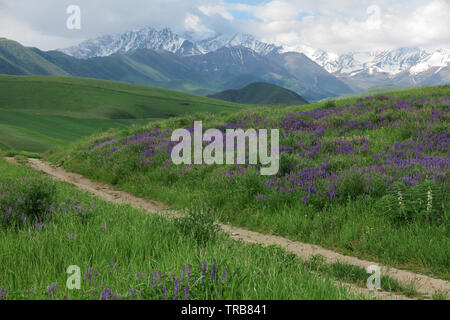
column 123, row 253
column 367, row 177
column 41, row 113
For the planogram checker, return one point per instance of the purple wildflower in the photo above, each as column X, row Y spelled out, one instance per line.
column 177, row 284
column 3, row 293
column 213, row 271
column 189, row 271
column 203, row 271
column 224, row 275
column 52, row 289
column 186, row 292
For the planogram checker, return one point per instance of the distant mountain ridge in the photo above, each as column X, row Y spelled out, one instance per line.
column 165, row 39
column 414, row 60
column 358, row 70
column 230, row 67
column 393, row 62
column 261, row 93
column 403, row 66
column 168, row 60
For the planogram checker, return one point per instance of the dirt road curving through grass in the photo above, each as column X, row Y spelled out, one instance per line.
column 424, row 284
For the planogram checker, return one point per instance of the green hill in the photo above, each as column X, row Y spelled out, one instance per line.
column 19, row 60
column 261, row 93
column 40, row 113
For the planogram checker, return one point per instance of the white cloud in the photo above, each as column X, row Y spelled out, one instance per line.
column 213, row 10
column 18, row 31
column 338, row 26
column 193, row 23
column 276, row 11
column 343, row 26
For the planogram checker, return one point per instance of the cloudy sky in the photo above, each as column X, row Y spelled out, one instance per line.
column 334, row 25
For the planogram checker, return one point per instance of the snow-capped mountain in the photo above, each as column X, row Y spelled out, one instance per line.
column 236, row 40
column 391, row 62
column 146, row 38
column 440, row 59
column 149, row 38
column 329, row 61
column 357, row 69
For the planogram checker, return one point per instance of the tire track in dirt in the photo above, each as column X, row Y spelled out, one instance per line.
column 424, row 284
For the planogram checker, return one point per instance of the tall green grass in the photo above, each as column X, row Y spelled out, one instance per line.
column 119, row 249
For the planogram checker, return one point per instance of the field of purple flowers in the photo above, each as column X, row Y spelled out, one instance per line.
column 367, row 176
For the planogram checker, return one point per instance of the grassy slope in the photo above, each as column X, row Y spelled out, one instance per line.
column 41, row 113
column 15, row 58
column 352, row 225
column 376, row 90
column 116, row 242
column 261, row 93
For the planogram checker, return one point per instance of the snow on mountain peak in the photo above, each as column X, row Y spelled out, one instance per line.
column 146, row 38
column 165, row 39
column 391, row 62
column 237, row 39
column 440, row 58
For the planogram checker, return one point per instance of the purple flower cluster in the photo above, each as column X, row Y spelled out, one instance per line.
column 52, row 289
column 3, row 293
column 109, row 294
column 312, row 144
column 184, row 286
column 91, row 276
column 145, row 146
column 260, row 197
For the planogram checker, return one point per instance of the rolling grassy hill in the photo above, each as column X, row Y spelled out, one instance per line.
column 41, row 113
column 261, row 93
column 17, row 59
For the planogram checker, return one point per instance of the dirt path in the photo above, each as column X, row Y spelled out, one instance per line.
column 424, row 284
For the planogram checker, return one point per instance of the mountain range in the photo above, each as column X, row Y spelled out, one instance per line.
column 167, row 64
column 165, row 39
column 165, row 59
column 359, row 70
column 406, row 66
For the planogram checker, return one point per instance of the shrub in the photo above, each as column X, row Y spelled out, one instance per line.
column 329, row 104
column 25, row 201
column 352, row 185
column 21, row 159
column 198, row 224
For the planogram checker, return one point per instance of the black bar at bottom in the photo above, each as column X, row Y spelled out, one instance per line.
column 231, row 309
